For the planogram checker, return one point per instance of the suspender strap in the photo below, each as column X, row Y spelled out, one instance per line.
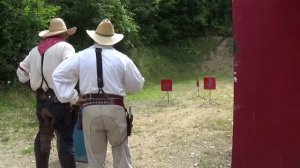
column 99, row 70
column 43, row 78
column 43, row 47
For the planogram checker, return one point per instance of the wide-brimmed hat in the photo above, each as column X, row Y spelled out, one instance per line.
column 105, row 34
column 57, row 26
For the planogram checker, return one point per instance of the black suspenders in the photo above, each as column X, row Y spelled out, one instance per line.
column 43, row 78
column 99, row 70
column 129, row 117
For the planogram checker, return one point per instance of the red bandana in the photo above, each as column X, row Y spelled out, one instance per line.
column 47, row 43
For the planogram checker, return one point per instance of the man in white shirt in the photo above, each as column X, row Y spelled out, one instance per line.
column 53, row 116
column 105, row 76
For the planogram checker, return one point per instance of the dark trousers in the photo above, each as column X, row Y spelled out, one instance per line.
column 55, row 117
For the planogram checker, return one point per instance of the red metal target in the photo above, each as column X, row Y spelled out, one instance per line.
column 209, row 83
column 166, row 84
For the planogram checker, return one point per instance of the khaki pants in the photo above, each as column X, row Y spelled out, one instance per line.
column 103, row 123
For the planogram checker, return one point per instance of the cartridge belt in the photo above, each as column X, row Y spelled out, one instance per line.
column 103, row 99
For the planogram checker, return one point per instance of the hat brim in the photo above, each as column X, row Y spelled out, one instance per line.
column 104, row 40
column 47, row 33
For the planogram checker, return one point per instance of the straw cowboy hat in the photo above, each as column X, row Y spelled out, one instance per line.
column 105, row 34
column 57, row 26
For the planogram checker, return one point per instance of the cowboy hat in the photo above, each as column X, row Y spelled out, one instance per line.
column 57, row 26
column 105, row 34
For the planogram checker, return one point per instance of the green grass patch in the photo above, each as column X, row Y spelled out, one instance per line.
column 28, row 150
column 181, row 61
column 17, row 114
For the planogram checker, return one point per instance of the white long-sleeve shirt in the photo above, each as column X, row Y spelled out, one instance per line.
column 31, row 65
column 120, row 74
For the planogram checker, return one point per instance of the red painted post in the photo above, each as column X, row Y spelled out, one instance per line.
column 266, row 130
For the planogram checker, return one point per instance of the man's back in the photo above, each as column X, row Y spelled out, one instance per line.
column 105, row 76
column 52, row 115
column 120, row 74
column 52, row 58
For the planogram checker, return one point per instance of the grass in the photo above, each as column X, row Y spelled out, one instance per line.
column 184, row 134
column 17, row 115
column 28, row 151
column 179, row 134
column 180, row 62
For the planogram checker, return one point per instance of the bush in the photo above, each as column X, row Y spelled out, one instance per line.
column 21, row 20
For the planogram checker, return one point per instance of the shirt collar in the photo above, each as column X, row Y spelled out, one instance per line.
column 101, row 46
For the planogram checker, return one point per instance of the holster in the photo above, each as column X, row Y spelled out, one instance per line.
column 49, row 95
column 129, row 120
column 40, row 94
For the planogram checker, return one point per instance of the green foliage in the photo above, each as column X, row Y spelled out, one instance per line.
column 218, row 13
column 146, row 15
column 145, row 24
column 86, row 15
column 180, row 61
column 171, row 21
column 20, row 22
column 122, row 19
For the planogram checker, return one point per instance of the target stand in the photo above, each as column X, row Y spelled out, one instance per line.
column 209, row 83
column 197, row 92
column 166, row 86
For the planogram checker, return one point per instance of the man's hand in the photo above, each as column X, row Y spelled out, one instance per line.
column 80, row 101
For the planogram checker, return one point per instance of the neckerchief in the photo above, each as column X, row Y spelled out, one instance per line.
column 47, row 43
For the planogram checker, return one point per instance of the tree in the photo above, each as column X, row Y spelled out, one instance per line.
column 148, row 22
column 86, row 15
column 20, row 22
column 146, row 16
column 170, row 21
column 219, row 16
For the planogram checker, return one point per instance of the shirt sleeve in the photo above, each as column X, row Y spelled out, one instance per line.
column 68, row 51
column 24, row 70
column 65, row 78
column 134, row 81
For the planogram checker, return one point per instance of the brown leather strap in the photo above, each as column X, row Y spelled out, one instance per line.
column 104, row 101
column 96, row 95
column 49, row 96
